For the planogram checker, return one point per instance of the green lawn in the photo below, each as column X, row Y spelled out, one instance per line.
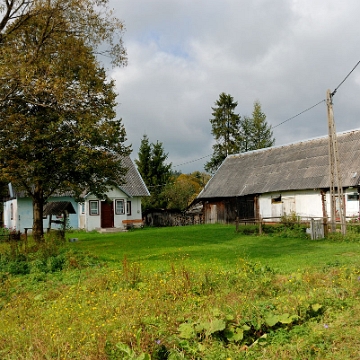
column 215, row 245
column 197, row 292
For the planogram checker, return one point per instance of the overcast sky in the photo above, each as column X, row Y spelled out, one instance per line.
column 284, row 53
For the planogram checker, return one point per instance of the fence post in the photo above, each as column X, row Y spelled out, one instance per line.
column 237, row 224
column 260, row 225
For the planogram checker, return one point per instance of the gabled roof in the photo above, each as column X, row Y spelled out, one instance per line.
column 58, row 207
column 133, row 185
column 298, row 166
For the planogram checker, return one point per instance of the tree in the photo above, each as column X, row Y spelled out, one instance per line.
column 57, row 119
column 225, row 128
column 144, row 161
column 151, row 164
column 182, row 191
column 246, row 129
column 260, row 135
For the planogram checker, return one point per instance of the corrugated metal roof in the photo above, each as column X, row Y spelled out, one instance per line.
column 298, row 166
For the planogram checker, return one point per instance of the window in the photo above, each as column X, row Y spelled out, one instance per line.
column 128, row 208
column 12, row 211
column 119, row 207
column 276, row 199
column 82, row 206
column 353, row 197
column 94, row 207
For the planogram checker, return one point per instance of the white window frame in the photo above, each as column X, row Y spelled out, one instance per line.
column 122, row 211
column 94, row 211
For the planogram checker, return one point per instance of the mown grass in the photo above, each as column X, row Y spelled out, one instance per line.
column 201, row 292
column 218, row 245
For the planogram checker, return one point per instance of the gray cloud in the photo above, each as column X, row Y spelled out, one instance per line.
column 284, row 53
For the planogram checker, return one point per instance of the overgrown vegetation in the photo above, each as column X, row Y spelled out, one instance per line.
column 168, row 303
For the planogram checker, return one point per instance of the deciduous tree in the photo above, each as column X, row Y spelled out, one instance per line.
column 57, row 119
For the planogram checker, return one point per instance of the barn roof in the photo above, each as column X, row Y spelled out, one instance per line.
column 298, row 166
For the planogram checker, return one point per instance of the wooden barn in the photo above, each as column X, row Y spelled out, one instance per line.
column 283, row 180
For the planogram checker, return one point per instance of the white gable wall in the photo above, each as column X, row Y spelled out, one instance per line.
column 92, row 222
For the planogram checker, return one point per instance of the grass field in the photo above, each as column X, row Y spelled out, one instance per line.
column 215, row 245
column 199, row 292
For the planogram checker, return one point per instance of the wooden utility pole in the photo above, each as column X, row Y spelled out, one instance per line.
column 336, row 189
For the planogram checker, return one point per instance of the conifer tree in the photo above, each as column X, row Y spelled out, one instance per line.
column 260, row 134
column 151, row 164
column 225, row 128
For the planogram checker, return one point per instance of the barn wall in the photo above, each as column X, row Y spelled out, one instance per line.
column 226, row 210
column 306, row 203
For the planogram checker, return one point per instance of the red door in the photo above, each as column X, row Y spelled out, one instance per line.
column 107, row 214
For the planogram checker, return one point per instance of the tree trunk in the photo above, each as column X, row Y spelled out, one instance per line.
column 38, row 204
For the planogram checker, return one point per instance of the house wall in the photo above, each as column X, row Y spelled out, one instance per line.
column 23, row 214
column 92, row 222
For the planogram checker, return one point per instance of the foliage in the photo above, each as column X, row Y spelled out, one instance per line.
column 20, row 258
column 249, row 311
column 156, row 174
column 57, row 117
column 256, row 133
column 225, row 128
column 234, row 134
column 182, row 191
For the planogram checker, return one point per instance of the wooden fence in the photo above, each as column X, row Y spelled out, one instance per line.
column 318, row 227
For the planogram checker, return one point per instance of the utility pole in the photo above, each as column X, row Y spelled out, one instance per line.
column 336, row 189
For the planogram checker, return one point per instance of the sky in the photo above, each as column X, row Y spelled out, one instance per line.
column 285, row 54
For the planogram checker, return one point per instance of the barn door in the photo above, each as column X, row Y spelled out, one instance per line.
column 213, row 214
column 107, row 214
column 288, row 205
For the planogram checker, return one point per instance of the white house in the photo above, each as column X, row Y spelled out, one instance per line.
column 281, row 180
column 122, row 207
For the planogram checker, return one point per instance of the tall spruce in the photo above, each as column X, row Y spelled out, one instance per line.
column 156, row 173
column 225, row 128
column 260, row 134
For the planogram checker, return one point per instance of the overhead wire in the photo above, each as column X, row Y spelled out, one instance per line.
column 300, row 113
column 336, row 89
column 291, row 118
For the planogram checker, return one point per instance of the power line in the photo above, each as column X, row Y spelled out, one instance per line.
column 291, row 118
column 333, row 93
column 300, row 113
column 191, row 161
